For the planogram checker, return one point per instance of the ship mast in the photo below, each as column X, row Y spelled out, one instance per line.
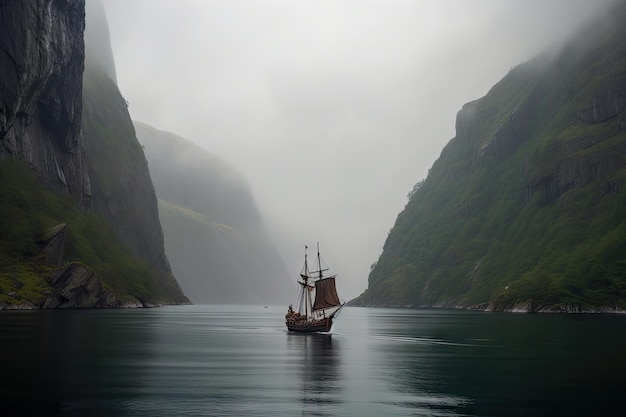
column 319, row 261
column 305, row 297
column 306, row 285
column 320, row 270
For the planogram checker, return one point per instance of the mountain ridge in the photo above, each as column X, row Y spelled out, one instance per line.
column 523, row 209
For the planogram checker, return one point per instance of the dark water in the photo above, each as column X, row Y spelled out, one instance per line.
column 240, row 361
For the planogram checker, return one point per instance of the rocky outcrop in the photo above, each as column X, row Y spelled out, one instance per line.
column 74, row 286
column 77, row 286
column 583, row 160
column 529, row 306
column 40, row 91
column 607, row 103
column 577, row 172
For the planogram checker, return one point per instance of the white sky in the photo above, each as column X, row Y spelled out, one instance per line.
column 333, row 110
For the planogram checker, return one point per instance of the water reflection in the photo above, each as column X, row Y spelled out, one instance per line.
column 319, row 376
column 403, row 366
column 220, row 360
column 70, row 362
column 502, row 364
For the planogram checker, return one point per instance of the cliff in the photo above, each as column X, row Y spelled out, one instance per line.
column 214, row 234
column 122, row 190
column 40, row 96
column 523, row 210
column 71, row 234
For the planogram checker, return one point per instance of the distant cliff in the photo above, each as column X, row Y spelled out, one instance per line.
column 79, row 224
column 214, row 235
column 525, row 208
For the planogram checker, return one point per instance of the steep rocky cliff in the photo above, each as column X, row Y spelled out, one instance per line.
column 41, row 67
column 524, row 209
column 122, row 190
column 64, row 244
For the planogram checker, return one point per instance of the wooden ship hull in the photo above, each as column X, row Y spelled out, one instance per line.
column 310, row 326
column 314, row 316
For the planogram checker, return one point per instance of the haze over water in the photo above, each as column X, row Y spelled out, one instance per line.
column 240, row 361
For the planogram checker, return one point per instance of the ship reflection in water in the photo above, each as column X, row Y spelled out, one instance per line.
column 318, row 360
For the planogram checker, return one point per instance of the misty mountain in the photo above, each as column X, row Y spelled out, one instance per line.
column 215, row 239
column 79, row 225
column 524, row 209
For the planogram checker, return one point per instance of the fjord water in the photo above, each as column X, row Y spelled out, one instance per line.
column 241, row 361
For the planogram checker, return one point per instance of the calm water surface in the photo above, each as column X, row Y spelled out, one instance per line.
column 240, row 361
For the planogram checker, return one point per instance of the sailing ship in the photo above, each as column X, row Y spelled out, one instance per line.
column 314, row 316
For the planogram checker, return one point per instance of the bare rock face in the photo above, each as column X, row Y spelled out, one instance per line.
column 40, row 91
column 77, row 286
column 607, row 103
column 74, row 285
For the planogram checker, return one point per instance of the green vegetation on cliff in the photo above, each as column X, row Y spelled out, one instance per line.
column 32, row 211
column 525, row 207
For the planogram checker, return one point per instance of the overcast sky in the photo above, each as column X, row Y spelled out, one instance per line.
column 333, row 110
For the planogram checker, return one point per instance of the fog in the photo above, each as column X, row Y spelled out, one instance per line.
column 332, row 110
